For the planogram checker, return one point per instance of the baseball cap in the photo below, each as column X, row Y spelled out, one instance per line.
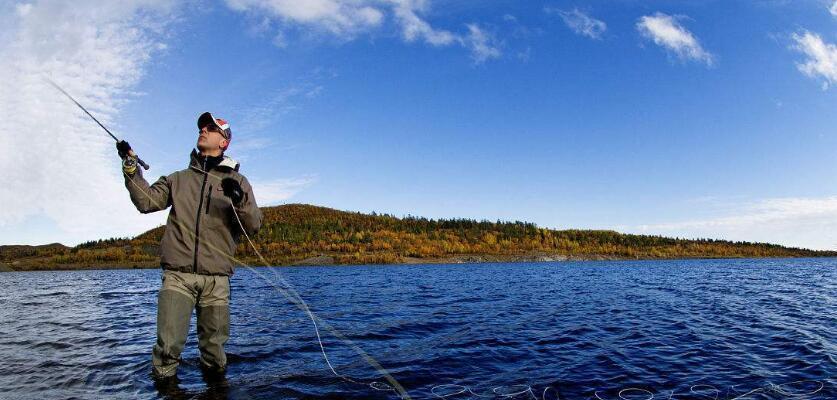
column 207, row 118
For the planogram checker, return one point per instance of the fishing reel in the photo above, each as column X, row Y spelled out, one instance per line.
column 129, row 164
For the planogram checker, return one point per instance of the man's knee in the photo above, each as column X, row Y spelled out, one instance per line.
column 213, row 325
column 174, row 310
column 213, row 333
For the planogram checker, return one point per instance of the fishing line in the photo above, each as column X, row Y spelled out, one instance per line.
column 701, row 388
column 496, row 391
column 437, row 391
column 291, row 294
column 377, row 385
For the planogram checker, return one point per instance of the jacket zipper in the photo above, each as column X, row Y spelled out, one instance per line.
column 208, row 199
column 198, row 219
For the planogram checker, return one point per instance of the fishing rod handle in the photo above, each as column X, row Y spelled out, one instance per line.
column 144, row 165
column 139, row 160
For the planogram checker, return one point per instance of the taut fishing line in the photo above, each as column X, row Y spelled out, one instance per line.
column 291, row 294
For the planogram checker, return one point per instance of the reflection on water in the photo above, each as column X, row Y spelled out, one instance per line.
column 698, row 329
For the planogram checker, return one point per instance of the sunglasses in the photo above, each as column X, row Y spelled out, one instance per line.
column 214, row 128
column 211, row 128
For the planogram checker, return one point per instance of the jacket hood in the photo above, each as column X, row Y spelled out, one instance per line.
column 225, row 162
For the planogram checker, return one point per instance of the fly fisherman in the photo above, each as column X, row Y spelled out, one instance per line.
column 207, row 199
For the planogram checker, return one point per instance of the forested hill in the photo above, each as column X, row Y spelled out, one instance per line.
column 306, row 234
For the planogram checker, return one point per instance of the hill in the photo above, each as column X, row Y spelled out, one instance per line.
column 306, row 234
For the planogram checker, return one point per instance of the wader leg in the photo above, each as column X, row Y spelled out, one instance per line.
column 213, row 332
column 173, row 312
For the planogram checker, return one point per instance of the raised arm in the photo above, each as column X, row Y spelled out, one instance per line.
column 146, row 198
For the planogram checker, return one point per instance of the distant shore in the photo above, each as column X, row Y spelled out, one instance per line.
column 303, row 234
column 330, row 261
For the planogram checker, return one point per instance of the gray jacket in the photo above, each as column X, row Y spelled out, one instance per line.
column 202, row 231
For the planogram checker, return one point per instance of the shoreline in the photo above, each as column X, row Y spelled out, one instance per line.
column 327, row 261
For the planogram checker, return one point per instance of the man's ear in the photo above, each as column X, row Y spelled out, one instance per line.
column 224, row 143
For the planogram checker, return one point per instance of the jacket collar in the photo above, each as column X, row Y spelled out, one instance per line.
column 223, row 163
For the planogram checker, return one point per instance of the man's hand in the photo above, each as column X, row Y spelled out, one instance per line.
column 123, row 148
column 129, row 165
column 232, row 189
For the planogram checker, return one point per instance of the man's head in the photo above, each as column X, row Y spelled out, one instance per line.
column 214, row 135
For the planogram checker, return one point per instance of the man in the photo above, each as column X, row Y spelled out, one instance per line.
column 210, row 204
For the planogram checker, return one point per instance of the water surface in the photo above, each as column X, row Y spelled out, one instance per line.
column 694, row 329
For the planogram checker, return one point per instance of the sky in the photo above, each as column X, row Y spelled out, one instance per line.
column 692, row 119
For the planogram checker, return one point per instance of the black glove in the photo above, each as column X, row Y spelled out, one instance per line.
column 123, row 148
column 232, row 189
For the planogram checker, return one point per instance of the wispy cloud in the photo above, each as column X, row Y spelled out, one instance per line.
column 347, row 19
column 580, row 22
column 272, row 192
column 260, row 122
column 58, row 165
column 483, row 45
column 282, row 101
column 833, row 9
column 667, row 32
column 341, row 18
column 413, row 27
column 793, row 221
column 822, row 57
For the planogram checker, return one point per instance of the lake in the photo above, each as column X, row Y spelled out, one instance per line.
column 683, row 329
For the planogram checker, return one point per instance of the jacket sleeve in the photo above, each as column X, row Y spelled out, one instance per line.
column 248, row 211
column 147, row 198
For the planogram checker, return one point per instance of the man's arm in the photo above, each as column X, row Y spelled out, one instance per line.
column 147, row 198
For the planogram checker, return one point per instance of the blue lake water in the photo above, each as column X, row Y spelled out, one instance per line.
column 694, row 329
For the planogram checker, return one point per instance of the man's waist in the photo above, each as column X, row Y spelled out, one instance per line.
column 191, row 269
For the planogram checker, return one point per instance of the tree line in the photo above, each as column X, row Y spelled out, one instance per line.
column 295, row 232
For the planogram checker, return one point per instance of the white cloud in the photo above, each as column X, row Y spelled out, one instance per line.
column 274, row 191
column 346, row 19
column 57, row 164
column 833, row 9
column 23, row 9
column 581, row 23
column 822, row 57
column 414, row 27
column 798, row 222
column 666, row 32
column 339, row 17
column 483, row 46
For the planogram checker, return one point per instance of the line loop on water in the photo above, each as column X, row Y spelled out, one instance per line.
column 650, row 395
column 778, row 388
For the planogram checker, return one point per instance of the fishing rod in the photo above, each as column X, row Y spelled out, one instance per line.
column 55, row 85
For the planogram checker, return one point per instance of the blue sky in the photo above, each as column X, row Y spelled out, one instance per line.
column 680, row 118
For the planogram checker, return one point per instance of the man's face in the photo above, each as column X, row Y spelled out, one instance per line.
column 210, row 139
